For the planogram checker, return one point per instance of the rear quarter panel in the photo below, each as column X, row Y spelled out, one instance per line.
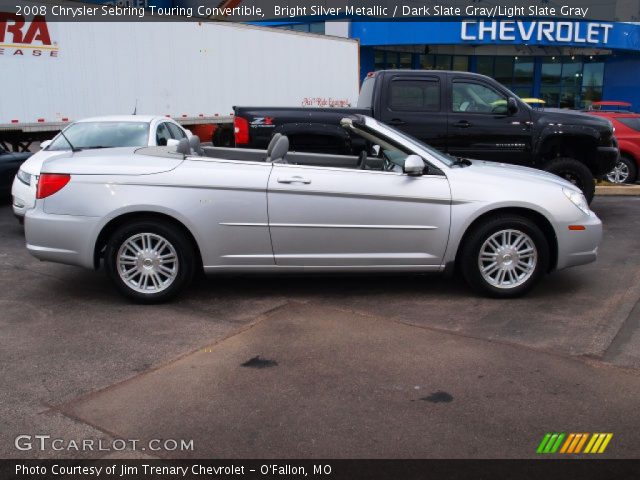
column 202, row 195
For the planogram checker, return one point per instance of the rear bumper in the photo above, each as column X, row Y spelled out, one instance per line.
column 578, row 247
column 61, row 238
column 606, row 159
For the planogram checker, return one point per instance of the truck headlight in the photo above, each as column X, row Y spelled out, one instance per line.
column 578, row 200
column 24, row 177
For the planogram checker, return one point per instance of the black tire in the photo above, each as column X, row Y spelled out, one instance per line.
column 632, row 168
column 576, row 172
column 469, row 260
column 185, row 267
column 223, row 137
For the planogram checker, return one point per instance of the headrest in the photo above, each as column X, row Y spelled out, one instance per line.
column 194, row 143
column 272, row 143
column 280, row 149
column 183, row 147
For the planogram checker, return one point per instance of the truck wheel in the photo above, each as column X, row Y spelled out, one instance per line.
column 625, row 171
column 505, row 256
column 223, row 137
column 576, row 172
column 150, row 262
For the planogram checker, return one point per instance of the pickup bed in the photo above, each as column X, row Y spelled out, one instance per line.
column 460, row 113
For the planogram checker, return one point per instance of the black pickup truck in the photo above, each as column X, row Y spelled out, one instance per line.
column 463, row 114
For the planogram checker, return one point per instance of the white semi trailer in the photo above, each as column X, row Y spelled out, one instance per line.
column 54, row 72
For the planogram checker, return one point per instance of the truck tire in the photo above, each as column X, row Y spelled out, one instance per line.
column 576, row 172
column 625, row 171
column 150, row 261
column 223, row 137
column 504, row 256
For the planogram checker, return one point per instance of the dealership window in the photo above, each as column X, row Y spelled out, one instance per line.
column 571, row 82
column 414, row 95
column 444, row 62
column 515, row 73
column 315, row 27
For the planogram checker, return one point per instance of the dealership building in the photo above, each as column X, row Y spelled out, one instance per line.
column 566, row 63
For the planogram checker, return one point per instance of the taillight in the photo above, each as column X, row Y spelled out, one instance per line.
column 241, row 130
column 50, row 183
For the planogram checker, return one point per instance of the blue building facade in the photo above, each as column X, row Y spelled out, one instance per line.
column 569, row 64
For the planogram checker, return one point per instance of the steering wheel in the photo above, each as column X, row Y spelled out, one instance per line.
column 362, row 160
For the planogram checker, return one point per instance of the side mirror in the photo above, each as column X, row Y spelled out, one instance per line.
column 414, row 166
column 172, row 142
column 512, row 106
column 45, row 144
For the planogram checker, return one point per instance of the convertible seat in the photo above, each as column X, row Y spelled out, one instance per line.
column 279, row 150
column 194, row 143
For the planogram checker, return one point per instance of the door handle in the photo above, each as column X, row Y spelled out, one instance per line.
column 462, row 124
column 397, row 121
column 294, row 179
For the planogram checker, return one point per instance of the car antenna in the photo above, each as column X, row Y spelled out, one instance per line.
column 135, row 108
column 73, row 149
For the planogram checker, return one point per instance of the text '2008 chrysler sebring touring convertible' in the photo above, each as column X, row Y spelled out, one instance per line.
column 155, row 216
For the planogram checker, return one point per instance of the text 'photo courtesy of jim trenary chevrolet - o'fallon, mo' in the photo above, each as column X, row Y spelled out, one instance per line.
column 343, row 240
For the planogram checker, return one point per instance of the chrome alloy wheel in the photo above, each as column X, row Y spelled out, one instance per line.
column 619, row 174
column 507, row 258
column 147, row 263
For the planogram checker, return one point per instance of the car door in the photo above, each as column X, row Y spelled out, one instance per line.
column 413, row 104
column 480, row 127
column 339, row 217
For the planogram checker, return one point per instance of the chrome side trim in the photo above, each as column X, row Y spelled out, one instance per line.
column 373, row 227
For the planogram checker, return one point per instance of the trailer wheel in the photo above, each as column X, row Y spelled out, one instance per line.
column 576, row 172
column 223, row 137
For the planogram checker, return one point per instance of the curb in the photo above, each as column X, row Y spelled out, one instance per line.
column 618, row 190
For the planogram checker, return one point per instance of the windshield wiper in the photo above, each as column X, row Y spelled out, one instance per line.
column 93, row 147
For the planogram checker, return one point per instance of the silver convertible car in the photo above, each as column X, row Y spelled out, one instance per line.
column 155, row 216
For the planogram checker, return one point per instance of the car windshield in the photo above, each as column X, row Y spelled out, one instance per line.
column 84, row 135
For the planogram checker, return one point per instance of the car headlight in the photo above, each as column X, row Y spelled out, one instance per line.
column 24, row 177
column 578, row 200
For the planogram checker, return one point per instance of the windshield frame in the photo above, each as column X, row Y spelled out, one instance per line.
column 428, row 153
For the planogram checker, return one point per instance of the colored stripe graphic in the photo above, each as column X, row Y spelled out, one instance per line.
column 598, row 442
column 550, row 443
column 573, row 443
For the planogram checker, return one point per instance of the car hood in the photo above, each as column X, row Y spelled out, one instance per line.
column 109, row 161
column 571, row 117
column 506, row 172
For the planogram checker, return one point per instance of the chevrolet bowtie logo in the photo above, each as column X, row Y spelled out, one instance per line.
column 574, row 443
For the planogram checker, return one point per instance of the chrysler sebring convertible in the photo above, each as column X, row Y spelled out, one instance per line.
column 156, row 216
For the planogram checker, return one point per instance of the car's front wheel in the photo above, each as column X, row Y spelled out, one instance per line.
column 505, row 256
column 149, row 261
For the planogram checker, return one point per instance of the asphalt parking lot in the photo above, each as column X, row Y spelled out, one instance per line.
column 324, row 367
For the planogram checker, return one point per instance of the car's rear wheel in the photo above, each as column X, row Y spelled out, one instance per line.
column 150, row 262
column 625, row 171
column 505, row 256
column 576, row 172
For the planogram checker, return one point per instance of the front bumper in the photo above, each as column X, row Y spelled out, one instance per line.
column 606, row 159
column 23, row 197
column 61, row 238
column 578, row 247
